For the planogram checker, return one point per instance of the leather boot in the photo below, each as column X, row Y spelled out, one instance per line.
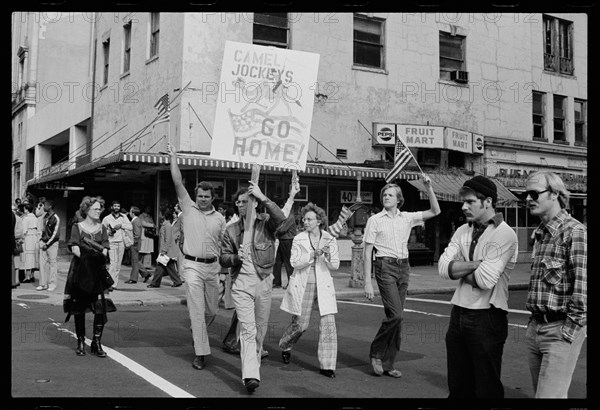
column 96, row 346
column 80, row 332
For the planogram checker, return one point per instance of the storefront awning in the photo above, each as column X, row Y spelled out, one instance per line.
column 61, row 171
column 312, row 168
column 447, row 185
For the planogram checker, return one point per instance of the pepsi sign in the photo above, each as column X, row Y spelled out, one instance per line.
column 384, row 135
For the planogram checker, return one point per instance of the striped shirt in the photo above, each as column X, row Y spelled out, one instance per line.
column 390, row 234
column 558, row 281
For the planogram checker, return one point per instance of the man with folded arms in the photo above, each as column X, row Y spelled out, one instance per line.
column 481, row 255
column 202, row 231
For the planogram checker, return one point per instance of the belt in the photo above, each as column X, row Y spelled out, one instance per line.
column 397, row 261
column 549, row 317
column 203, row 260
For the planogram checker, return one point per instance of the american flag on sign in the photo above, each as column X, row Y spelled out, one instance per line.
column 162, row 105
column 402, row 159
column 248, row 123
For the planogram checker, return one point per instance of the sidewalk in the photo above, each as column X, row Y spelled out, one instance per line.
column 424, row 279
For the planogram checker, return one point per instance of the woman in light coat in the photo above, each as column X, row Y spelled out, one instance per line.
column 314, row 254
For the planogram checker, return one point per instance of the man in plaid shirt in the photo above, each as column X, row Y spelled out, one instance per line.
column 557, row 296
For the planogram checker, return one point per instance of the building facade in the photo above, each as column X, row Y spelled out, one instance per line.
column 468, row 93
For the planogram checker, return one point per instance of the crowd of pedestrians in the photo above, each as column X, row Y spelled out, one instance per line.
column 250, row 242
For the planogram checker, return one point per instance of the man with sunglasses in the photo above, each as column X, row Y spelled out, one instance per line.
column 481, row 255
column 557, row 296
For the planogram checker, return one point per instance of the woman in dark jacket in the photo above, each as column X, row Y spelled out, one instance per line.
column 87, row 277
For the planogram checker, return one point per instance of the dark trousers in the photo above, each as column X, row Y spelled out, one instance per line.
column 392, row 280
column 474, row 345
column 231, row 340
column 170, row 269
column 284, row 252
column 136, row 265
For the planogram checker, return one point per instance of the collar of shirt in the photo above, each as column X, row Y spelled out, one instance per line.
column 496, row 220
column 210, row 211
column 385, row 213
column 553, row 225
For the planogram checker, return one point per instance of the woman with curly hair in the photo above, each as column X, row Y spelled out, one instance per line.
column 87, row 277
column 314, row 254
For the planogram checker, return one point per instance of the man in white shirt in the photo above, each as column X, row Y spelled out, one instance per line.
column 388, row 232
column 116, row 224
column 481, row 255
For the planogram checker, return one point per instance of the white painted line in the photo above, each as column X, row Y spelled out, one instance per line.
column 444, row 302
column 416, row 311
column 23, row 305
column 138, row 369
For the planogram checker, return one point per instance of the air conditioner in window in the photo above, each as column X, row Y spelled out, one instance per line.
column 459, row 76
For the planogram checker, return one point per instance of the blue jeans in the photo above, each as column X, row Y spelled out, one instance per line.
column 474, row 346
column 392, row 280
column 552, row 359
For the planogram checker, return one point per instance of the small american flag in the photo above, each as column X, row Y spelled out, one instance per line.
column 162, row 105
column 402, row 159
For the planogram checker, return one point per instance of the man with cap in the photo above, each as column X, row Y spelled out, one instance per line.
column 481, row 255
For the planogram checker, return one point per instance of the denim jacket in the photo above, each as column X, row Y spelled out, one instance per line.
column 263, row 242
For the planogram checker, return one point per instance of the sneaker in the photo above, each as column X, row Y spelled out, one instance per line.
column 51, row 288
column 42, row 287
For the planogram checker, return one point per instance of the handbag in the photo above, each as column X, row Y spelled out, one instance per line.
column 106, row 279
column 127, row 239
column 18, row 249
column 151, row 232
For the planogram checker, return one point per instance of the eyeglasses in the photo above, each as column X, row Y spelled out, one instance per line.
column 308, row 219
column 241, row 202
column 534, row 194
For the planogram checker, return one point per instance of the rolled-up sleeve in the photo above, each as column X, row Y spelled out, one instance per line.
column 452, row 253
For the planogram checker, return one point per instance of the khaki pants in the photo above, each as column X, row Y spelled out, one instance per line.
column 252, row 299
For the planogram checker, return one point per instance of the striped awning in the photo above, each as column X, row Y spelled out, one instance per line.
column 447, row 184
column 201, row 161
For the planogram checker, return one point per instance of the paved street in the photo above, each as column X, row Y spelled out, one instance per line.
column 150, row 355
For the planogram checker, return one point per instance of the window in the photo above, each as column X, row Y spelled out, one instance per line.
column 558, row 45
column 126, row 46
column 154, row 33
column 452, row 57
column 456, row 159
column 271, row 29
column 559, row 118
column 538, row 115
column 106, row 53
column 368, row 41
column 580, row 122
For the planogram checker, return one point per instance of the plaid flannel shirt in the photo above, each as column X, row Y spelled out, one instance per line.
column 558, row 280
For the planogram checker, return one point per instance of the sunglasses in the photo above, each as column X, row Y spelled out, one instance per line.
column 533, row 194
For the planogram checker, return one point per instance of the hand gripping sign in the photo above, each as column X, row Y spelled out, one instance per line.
column 265, row 105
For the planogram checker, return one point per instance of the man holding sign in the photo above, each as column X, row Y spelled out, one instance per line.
column 252, row 266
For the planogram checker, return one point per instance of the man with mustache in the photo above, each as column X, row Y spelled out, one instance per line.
column 481, row 255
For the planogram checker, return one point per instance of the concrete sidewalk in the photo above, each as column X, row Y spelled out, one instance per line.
column 424, row 279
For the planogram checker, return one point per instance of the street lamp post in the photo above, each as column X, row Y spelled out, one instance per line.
column 357, row 269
